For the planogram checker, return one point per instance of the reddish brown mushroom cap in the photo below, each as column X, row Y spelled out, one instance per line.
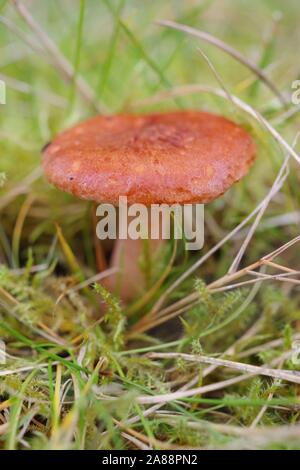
column 183, row 157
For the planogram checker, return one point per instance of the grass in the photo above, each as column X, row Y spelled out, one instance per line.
column 204, row 358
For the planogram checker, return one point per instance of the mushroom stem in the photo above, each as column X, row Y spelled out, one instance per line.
column 131, row 279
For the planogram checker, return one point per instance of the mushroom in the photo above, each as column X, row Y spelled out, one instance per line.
column 172, row 157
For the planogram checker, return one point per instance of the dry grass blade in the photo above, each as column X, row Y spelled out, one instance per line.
column 180, row 394
column 135, row 441
column 290, row 376
column 216, row 75
column 6, row 372
column 16, row 238
column 265, row 346
column 264, row 437
column 59, row 60
column 277, row 185
column 23, row 36
column 275, row 277
column 21, row 188
column 230, row 277
column 229, row 50
column 88, row 282
column 26, row 88
column 286, row 115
